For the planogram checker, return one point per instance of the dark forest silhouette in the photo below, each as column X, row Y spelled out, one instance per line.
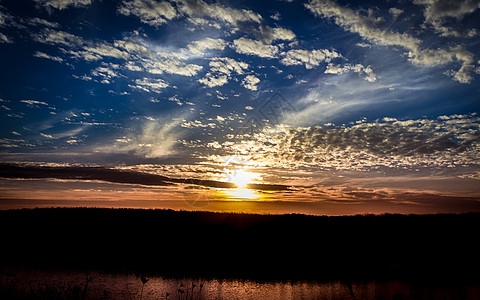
column 181, row 243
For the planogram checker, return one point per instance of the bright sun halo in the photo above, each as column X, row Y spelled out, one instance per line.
column 241, row 178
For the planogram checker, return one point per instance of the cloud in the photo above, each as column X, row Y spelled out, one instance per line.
column 250, row 82
column 6, row 19
column 268, row 34
column 123, row 176
column 131, row 47
column 197, row 124
column 153, row 139
column 212, row 80
column 149, row 85
column 150, row 12
column 276, row 16
column 4, row 16
column 371, row 28
column 43, row 22
column 227, row 65
column 56, row 37
column 81, row 173
column 438, row 9
column 5, row 39
column 199, row 47
column 156, row 13
column 367, row 72
column 395, row 12
column 105, row 72
column 34, row 102
column 48, row 136
column 63, row 4
column 445, row 142
column 200, row 9
column 137, row 55
column 221, row 69
column 79, row 54
column 310, row 59
column 172, row 66
column 44, row 55
column 105, row 49
column 253, row 47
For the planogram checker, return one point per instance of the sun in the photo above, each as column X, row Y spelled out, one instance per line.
column 241, row 177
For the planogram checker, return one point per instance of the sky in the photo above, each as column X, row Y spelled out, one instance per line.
column 316, row 107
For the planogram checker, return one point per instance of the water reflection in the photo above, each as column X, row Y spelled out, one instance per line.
column 129, row 286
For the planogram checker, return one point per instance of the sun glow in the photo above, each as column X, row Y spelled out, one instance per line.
column 242, row 178
column 240, row 194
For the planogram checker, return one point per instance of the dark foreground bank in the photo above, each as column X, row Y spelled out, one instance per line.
column 173, row 243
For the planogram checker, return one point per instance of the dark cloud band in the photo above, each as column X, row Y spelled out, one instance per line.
column 114, row 176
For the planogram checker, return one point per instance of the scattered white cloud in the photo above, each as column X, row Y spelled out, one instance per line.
column 4, row 39
column 4, row 16
column 268, row 34
column 63, row 4
column 105, row 72
column 83, row 77
column 105, row 49
column 150, row 12
column 137, row 56
column 43, row 22
column 153, row 139
column 197, row 124
column 212, row 80
column 252, row 47
column 310, row 59
column 199, row 9
column 227, row 65
column 56, row 37
column 392, row 143
column 202, row 23
column 44, row 55
column 199, row 47
column 367, row 72
column 370, row 28
column 364, row 45
column 48, row 136
column 131, row 47
column 438, row 9
column 395, row 12
column 221, row 69
column 34, row 102
column 79, row 54
column 276, row 16
column 250, row 82
column 171, row 66
column 149, row 85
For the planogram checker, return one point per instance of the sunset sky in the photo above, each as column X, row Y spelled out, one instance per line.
column 317, row 107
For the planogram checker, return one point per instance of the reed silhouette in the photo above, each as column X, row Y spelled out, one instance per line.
column 144, row 281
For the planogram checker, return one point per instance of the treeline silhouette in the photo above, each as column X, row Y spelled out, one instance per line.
column 182, row 243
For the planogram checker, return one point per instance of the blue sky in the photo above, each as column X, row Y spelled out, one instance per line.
column 357, row 106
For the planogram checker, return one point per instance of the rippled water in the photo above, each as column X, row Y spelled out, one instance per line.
column 129, row 286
